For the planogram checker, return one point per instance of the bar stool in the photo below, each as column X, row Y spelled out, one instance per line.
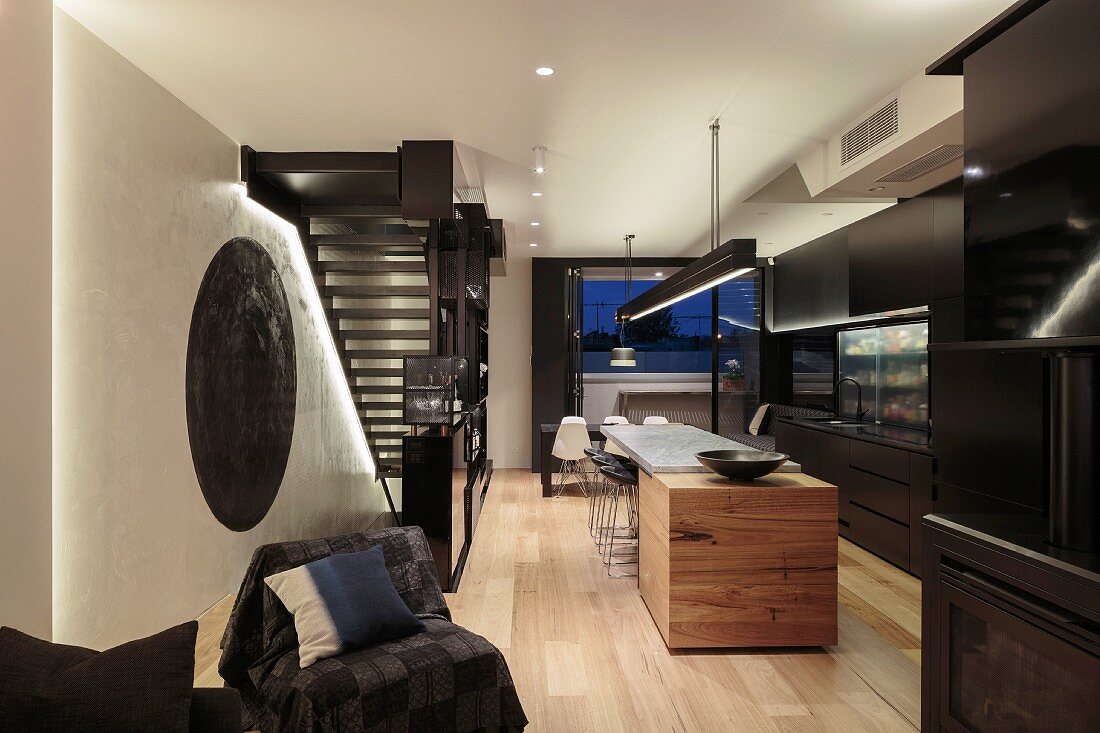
column 620, row 483
column 599, row 460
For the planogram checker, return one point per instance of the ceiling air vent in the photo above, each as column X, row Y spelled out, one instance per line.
column 878, row 127
column 926, row 163
column 471, row 195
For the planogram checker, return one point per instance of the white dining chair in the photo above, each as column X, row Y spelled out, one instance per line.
column 569, row 444
column 655, row 420
column 610, row 445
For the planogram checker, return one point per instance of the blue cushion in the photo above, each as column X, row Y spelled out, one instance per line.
column 343, row 602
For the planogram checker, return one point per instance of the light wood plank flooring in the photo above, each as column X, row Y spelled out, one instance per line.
column 586, row 656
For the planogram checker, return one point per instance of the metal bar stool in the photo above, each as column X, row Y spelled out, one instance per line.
column 598, row 458
column 619, row 482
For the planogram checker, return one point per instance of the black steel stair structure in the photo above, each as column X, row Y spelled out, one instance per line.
column 371, row 224
column 370, row 266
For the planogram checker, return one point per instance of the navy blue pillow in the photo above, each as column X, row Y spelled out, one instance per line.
column 343, row 602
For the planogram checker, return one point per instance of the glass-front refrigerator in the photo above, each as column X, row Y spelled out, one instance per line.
column 891, row 365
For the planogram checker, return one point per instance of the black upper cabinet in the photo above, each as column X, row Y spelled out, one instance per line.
column 810, row 284
column 890, row 259
column 948, row 235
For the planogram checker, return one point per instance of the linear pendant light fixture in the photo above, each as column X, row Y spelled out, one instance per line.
column 724, row 262
column 624, row 356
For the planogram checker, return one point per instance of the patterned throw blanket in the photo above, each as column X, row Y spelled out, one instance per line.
column 445, row 679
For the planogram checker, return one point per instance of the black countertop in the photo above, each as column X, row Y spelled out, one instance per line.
column 909, row 439
column 1023, row 536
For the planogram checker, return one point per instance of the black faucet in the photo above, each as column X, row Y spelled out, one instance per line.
column 860, row 412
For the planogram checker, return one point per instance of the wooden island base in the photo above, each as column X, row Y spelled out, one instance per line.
column 739, row 564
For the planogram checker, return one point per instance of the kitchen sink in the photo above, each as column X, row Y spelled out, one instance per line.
column 837, row 422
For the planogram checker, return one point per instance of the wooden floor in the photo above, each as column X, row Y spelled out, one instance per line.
column 586, row 656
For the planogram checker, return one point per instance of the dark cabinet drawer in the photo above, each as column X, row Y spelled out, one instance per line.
column 803, row 445
column 879, row 494
column 891, row 463
column 835, row 470
column 887, row 539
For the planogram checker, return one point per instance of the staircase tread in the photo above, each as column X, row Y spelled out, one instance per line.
column 356, row 266
column 375, row 313
column 384, row 335
column 377, row 291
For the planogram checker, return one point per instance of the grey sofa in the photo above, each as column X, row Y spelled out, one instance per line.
column 765, row 440
column 443, row 679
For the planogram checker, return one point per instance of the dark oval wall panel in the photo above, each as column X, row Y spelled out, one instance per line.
column 241, row 383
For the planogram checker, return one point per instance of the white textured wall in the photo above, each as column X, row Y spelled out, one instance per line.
column 510, row 367
column 144, row 198
column 25, row 212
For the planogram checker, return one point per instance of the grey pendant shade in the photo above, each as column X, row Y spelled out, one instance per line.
column 623, row 357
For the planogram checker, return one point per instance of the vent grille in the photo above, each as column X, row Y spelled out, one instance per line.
column 471, row 195
column 880, row 126
column 926, row 163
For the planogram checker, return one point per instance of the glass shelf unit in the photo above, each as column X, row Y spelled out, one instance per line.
column 891, row 365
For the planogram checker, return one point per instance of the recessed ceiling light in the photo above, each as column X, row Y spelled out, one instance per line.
column 761, row 213
column 658, row 274
column 826, row 213
column 535, row 224
column 544, row 71
column 877, row 188
column 534, row 244
column 536, row 194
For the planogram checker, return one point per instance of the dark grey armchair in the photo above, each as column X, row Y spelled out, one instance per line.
column 444, row 679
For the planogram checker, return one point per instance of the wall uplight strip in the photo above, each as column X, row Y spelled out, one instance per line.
column 320, row 322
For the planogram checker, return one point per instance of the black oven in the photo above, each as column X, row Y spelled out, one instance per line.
column 1009, row 646
column 1014, row 662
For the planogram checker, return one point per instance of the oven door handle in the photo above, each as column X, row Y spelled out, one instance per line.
column 1043, row 610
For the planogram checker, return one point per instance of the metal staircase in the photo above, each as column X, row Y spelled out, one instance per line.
column 375, row 288
column 370, row 266
column 374, row 225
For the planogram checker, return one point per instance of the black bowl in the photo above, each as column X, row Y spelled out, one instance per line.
column 743, row 465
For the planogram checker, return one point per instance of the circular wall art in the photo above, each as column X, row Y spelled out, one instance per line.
column 241, row 383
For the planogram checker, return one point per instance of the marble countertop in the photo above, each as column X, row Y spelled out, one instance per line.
column 672, row 448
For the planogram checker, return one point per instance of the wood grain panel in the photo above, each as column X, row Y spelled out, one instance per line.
column 747, row 563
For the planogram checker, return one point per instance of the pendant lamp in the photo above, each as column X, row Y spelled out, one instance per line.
column 624, row 356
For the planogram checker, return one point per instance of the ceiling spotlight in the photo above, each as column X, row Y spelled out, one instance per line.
column 658, row 274
column 544, row 71
column 877, row 188
column 534, row 244
column 826, row 213
column 536, row 194
column 535, row 224
column 761, row 213
column 540, row 158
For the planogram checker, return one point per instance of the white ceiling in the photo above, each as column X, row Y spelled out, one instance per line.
column 625, row 117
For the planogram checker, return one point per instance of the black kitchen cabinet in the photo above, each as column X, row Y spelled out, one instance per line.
column 802, row 445
column 947, row 240
column 883, row 490
column 835, row 469
column 890, row 258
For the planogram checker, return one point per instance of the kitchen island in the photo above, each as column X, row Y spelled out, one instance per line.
column 731, row 563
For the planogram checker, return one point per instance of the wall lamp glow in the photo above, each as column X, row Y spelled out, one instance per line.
column 735, row 258
column 540, row 158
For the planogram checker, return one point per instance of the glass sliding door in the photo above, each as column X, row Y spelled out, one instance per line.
column 738, row 327
column 672, row 376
